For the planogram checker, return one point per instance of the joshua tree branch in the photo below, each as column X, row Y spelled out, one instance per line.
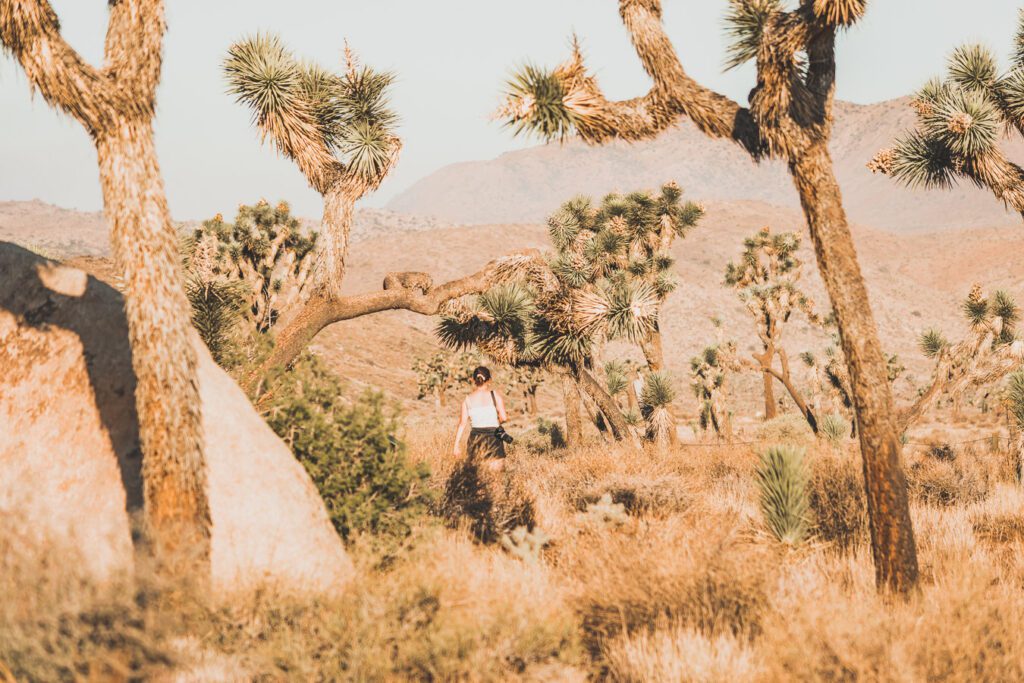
column 133, row 50
column 30, row 31
column 675, row 93
column 321, row 311
column 787, row 381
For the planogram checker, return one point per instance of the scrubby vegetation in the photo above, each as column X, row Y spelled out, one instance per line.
column 675, row 580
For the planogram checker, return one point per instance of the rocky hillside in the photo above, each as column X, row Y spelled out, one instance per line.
column 524, row 186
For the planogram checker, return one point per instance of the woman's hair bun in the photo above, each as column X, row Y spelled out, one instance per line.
column 481, row 375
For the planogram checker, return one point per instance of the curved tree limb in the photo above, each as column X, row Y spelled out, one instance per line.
column 320, row 311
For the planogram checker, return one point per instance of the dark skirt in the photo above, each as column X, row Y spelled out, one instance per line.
column 484, row 444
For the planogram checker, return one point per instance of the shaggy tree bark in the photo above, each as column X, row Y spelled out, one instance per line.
column 115, row 105
column 573, row 419
column 652, row 349
column 790, row 117
column 764, row 361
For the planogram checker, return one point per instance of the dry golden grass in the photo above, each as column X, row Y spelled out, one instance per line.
column 684, row 586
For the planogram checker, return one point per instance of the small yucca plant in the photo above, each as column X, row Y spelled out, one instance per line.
column 834, row 427
column 783, row 482
column 658, row 393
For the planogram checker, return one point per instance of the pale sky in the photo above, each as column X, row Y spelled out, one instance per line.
column 451, row 58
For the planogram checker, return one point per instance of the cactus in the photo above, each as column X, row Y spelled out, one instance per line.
column 783, row 482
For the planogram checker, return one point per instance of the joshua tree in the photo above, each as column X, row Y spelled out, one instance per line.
column 1015, row 404
column 339, row 131
column 710, row 374
column 655, row 400
column 626, row 238
column 266, row 248
column 766, row 279
column 544, row 318
column 115, row 104
column 989, row 352
column 790, row 118
column 960, row 121
column 442, row 372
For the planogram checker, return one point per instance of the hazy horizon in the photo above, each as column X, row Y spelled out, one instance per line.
column 450, row 73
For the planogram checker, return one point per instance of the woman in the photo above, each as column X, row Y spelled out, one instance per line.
column 484, row 411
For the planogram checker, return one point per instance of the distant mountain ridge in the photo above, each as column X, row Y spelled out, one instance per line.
column 60, row 232
column 526, row 185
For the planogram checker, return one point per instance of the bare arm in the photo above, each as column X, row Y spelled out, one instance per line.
column 463, row 421
column 499, row 404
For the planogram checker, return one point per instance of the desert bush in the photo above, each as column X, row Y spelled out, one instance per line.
column 350, row 451
column 699, row 576
column 786, row 428
column 783, row 484
column 834, row 427
column 57, row 625
column 640, row 494
column 999, row 529
column 447, row 611
column 945, row 481
column 837, row 501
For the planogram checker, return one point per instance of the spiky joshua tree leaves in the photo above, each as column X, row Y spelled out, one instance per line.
column 960, row 121
column 790, row 118
column 989, row 352
column 115, row 104
column 655, row 400
column 767, row 280
column 626, row 239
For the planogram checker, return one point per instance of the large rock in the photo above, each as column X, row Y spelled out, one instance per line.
column 69, row 453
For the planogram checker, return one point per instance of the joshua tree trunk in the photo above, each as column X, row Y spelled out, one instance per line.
column 652, row 349
column 332, row 246
column 789, row 117
column 892, row 536
column 605, row 403
column 166, row 395
column 765, row 359
column 573, row 419
column 115, row 105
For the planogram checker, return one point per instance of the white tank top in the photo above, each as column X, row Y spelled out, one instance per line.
column 483, row 416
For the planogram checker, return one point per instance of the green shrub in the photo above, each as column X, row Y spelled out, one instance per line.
column 782, row 480
column 835, row 428
column 350, row 451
